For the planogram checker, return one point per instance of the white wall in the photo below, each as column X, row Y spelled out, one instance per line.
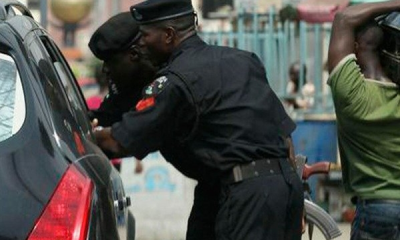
column 161, row 198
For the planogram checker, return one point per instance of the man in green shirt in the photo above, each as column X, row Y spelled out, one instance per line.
column 367, row 107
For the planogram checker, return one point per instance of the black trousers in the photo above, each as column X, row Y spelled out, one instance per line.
column 262, row 208
column 201, row 223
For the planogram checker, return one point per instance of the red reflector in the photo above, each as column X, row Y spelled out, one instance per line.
column 78, row 142
column 67, row 214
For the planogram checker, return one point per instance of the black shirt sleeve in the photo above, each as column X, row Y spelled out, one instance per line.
column 106, row 114
column 114, row 105
column 156, row 118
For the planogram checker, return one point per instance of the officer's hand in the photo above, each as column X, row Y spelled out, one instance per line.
column 107, row 143
column 96, row 127
column 102, row 135
column 94, row 124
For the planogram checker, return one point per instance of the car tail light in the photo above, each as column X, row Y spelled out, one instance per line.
column 67, row 214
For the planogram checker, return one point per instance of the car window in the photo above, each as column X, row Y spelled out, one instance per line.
column 12, row 101
column 62, row 113
column 69, row 83
column 63, row 91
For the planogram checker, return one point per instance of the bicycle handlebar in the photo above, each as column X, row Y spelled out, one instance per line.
column 319, row 167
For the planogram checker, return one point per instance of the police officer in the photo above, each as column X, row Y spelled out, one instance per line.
column 212, row 114
column 109, row 39
column 127, row 70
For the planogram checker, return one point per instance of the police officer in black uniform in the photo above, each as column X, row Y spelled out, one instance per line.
column 128, row 71
column 212, row 114
column 112, row 43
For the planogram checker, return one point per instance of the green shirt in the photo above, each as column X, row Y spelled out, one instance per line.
column 368, row 122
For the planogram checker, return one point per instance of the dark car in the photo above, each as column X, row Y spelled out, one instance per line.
column 55, row 183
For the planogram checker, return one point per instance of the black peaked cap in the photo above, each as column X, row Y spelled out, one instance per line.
column 115, row 35
column 151, row 11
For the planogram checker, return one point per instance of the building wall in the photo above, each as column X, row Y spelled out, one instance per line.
column 161, row 198
column 260, row 6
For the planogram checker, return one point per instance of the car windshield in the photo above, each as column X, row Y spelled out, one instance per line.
column 12, row 101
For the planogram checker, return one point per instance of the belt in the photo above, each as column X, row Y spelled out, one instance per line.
column 263, row 167
column 378, row 201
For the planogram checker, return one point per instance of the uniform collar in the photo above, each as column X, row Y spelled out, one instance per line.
column 189, row 42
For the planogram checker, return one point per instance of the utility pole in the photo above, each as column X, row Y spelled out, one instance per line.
column 116, row 6
column 43, row 13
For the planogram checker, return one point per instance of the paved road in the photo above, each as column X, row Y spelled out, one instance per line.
column 344, row 227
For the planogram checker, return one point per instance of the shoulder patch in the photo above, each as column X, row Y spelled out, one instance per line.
column 156, row 87
column 113, row 88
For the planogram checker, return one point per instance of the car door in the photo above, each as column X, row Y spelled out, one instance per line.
column 110, row 214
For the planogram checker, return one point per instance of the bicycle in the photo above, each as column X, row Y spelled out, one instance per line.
column 314, row 214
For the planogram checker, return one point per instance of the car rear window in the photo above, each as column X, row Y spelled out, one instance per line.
column 12, row 101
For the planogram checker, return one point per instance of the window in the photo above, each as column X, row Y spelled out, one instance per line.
column 75, row 97
column 53, row 96
column 59, row 83
column 12, row 100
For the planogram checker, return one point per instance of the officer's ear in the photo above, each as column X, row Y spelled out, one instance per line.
column 170, row 34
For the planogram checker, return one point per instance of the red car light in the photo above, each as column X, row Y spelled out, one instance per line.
column 67, row 214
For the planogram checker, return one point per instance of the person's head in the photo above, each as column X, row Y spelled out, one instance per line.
column 164, row 24
column 294, row 73
column 390, row 53
column 116, row 43
column 369, row 38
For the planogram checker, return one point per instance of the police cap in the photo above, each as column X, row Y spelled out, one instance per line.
column 115, row 35
column 151, row 11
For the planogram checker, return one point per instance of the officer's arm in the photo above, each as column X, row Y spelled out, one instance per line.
column 342, row 42
column 107, row 113
column 165, row 105
column 108, row 144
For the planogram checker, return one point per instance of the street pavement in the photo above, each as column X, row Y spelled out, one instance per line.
column 344, row 227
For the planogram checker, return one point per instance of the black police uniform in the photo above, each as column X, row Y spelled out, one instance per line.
column 111, row 109
column 212, row 114
column 116, row 35
column 114, row 105
column 212, row 105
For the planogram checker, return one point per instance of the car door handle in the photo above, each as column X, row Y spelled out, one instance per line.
column 123, row 203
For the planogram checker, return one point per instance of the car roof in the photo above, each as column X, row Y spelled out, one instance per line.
column 21, row 21
column 6, row 10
